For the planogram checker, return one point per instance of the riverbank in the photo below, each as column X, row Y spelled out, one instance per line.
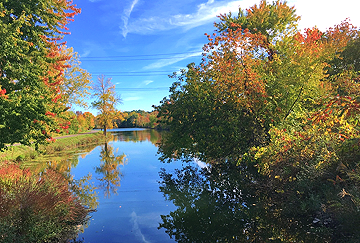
column 22, row 153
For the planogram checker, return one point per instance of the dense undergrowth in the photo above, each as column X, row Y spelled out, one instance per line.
column 41, row 203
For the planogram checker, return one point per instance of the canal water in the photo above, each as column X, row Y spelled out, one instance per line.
column 125, row 177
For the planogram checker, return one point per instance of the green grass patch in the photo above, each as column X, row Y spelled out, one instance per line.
column 23, row 153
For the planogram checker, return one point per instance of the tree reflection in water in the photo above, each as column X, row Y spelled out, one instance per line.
column 109, row 169
column 225, row 203
column 141, row 135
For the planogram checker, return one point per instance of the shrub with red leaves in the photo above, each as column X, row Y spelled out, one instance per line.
column 37, row 208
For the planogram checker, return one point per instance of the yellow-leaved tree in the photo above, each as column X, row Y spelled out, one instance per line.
column 77, row 81
column 106, row 102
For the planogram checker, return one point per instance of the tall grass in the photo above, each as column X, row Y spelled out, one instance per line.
column 37, row 208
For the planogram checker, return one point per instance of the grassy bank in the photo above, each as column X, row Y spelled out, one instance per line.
column 23, row 153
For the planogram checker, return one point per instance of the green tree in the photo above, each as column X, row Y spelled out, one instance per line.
column 106, row 102
column 31, row 67
column 283, row 102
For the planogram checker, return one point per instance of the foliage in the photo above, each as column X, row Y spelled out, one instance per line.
column 138, row 118
column 31, row 67
column 105, row 103
column 25, row 154
column 37, row 208
column 77, row 81
column 285, row 102
column 225, row 98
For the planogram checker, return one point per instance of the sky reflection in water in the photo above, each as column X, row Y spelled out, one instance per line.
column 131, row 212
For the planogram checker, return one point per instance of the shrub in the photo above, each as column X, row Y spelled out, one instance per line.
column 37, row 208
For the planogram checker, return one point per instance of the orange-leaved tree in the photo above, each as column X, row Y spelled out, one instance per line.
column 31, row 67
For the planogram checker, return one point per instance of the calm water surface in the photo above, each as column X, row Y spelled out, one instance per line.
column 130, row 203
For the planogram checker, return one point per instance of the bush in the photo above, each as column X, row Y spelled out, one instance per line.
column 37, row 208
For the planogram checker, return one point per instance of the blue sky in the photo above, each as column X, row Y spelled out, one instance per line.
column 139, row 42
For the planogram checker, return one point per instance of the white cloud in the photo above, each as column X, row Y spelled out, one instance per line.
column 167, row 62
column 326, row 13
column 125, row 17
column 205, row 13
column 136, row 230
column 91, row 48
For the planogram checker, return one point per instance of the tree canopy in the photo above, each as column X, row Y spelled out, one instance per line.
column 31, row 67
column 282, row 103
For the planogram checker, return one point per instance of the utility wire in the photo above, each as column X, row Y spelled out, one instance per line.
column 120, row 72
column 136, row 57
column 143, row 89
column 134, row 73
column 147, row 55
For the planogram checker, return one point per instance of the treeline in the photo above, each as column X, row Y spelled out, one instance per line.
column 77, row 122
column 136, row 118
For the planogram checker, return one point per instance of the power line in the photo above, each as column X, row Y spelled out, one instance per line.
column 143, row 89
column 120, row 72
column 145, row 55
column 134, row 73
column 127, row 60
column 136, row 57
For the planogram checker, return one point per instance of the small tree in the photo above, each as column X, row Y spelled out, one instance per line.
column 76, row 84
column 106, row 101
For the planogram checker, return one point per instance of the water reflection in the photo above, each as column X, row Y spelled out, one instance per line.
column 138, row 135
column 224, row 203
column 130, row 204
column 63, row 162
column 109, row 170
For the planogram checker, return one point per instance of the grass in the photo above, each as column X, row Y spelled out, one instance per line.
column 23, row 153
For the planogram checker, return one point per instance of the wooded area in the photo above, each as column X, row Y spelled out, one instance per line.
column 282, row 104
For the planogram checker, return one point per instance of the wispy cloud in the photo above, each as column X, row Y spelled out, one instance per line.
column 175, row 59
column 205, row 13
column 91, row 48
column 125, row 17
column 136, row 228
column 147, row 82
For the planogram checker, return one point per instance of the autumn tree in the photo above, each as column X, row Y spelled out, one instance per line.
column 106, row 102
column 76, row 85
column 222, row 107
column 258, row 71
column 284, row 102
column 31, row 67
